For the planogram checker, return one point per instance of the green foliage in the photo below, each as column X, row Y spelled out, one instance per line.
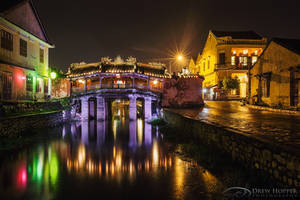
column 158, row 122
column 230, row 84
column 59, row 73
column 65, row 102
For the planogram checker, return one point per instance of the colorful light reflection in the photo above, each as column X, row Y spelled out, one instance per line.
column 22, row 177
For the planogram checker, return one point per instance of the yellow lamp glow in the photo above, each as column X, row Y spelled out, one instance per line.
column 53, row 75
column 180, row 57
column 81, row 81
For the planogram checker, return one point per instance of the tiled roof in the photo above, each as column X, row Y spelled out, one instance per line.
column 145, row 69
column 291, row 44
column 87, row 69
column 107, row 67
column 6, row 5
column 237, row 34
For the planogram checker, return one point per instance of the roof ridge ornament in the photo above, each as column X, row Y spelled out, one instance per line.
column 118, row 60
column 131, row 60
column 106, row 60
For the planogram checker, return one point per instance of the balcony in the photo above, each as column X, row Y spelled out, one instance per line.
column 229, row 66
column 243, row 42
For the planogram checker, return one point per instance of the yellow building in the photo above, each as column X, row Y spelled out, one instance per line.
column 192, row 66
column 23, row 52
column 228, row 54
column 275, row 77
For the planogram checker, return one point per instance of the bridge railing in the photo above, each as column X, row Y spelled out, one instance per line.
column 93, row 87
column 77, row 89
column 115, row 86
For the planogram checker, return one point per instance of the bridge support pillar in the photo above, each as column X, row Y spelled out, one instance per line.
column 101, row 111
column 132, row 107
column 148, row 108
column 84, row 109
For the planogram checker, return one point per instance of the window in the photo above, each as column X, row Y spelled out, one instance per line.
column 254, row 59
column 233, row 60
column 204, row 66
column 29, row 83
column 23, row 48
column 6, row 40
column 243, row 60
column 221, row 58
column 41, row 55
column 208, row 63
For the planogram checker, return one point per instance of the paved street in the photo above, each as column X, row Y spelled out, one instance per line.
column 275, row 127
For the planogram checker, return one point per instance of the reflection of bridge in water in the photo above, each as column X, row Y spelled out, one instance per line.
column 96, row 86
column 124, row 148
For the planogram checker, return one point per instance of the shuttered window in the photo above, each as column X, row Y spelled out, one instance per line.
column 6, row 40
column 23, row 48
column 5, row 85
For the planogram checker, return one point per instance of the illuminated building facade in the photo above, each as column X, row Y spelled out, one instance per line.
column 228, row 54
column 275, row 77
column 96, row 85
column 23, row 52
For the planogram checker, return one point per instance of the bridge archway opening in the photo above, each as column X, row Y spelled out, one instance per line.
column 118, row 108
column 140, row 106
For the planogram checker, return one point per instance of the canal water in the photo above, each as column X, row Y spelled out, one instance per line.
column 115, row 159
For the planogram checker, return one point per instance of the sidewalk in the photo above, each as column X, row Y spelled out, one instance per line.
column 280, row 128
column 292, row 112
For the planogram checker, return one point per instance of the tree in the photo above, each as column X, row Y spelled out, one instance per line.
column 230, row 84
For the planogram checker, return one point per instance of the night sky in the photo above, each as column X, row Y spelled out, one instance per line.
column 86, row 30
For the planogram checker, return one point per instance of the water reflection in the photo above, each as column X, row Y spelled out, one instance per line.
column 117, row 154
column 116, row 159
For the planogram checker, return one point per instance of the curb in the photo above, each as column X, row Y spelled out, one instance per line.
column 291, row 112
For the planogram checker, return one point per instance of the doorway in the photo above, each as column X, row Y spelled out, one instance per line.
column 5, row 85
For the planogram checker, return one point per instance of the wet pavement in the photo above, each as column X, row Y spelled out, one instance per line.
column 280, row 128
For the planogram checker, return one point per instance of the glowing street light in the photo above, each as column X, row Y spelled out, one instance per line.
column 179, row 57
column 53, row 75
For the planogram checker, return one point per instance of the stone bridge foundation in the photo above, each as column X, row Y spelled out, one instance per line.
column 102, row 105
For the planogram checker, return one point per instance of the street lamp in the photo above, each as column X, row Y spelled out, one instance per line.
column 179, row 57
column 180, row 61
column 53, row 75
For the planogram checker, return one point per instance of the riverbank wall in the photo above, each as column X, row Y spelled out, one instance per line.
column 280, row 162
column 17, row 125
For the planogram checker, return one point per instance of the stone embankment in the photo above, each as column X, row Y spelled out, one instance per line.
column 280, row 162
column 17, row 108
column 17, row 125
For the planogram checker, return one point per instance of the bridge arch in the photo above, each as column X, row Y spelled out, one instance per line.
column 98, row 105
